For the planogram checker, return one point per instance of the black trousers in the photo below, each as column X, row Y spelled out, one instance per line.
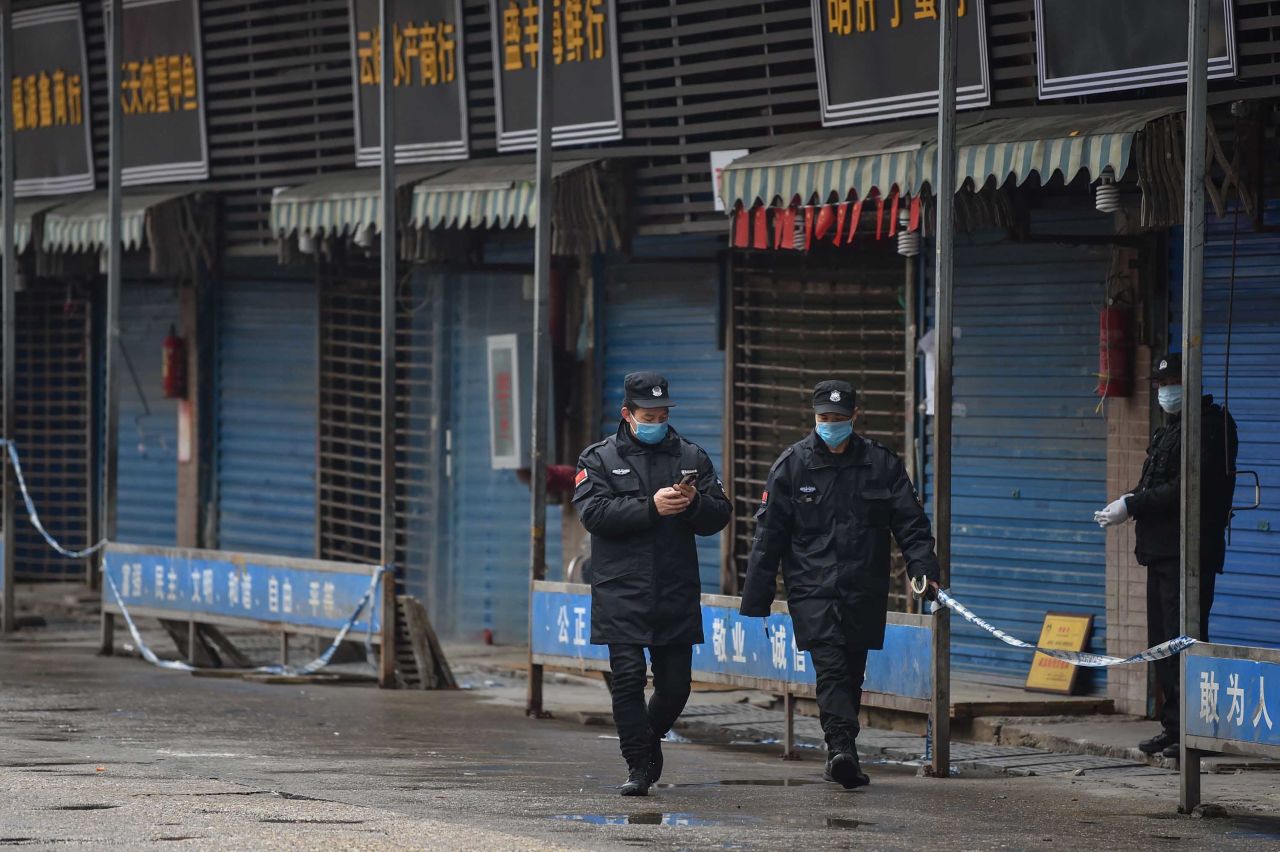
column 839, row 670
column 1164, row 581
column 639, row 726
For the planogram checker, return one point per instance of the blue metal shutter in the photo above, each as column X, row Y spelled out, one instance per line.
column 267, row 403
column 147, row 490
column 1030, row 452
column 664, row 317
column 1246, row 608
column 489, row 511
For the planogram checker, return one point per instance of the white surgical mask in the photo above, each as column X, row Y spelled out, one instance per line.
column 1170, row 398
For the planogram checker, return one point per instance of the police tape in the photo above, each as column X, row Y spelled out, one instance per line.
column 1079, row 658
column 12, row 450
column 310, row 668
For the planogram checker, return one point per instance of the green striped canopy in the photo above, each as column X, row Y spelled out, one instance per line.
column 24, row 211
column 337, row 204
column 840, row 168
column 81, row 224
column 483, row 195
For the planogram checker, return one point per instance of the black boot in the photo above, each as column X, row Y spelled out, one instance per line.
column 1158, row 743
column 655, row 762
column 842, row 764
column 637, row 782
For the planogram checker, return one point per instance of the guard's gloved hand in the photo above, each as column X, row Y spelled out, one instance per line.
column 930, row 592
column 1115, row 513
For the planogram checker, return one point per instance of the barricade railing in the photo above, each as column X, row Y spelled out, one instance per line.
column 739, row 651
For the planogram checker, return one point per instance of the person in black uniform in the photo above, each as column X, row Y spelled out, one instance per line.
column 1156, row 506
column 828, row 509
column 643, row 494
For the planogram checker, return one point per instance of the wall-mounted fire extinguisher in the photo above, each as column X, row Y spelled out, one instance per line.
column 173, row 366
column 1115, row 351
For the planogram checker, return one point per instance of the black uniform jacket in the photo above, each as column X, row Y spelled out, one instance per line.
column 644, row 567
column 826, row 517
column 1156, row 503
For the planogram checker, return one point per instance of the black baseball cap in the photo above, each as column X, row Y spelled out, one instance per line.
column 646, row 390
column 1168, row 367
column 834, row 397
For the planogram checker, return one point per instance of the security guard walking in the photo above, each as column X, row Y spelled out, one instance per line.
column 828, row 509
column 1156, row 507
column 644, row 494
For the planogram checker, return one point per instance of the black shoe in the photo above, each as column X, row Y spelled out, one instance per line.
column 637, row 783
column 655, row 762
column 843, row 769
column 1159, row 743
column 1172, row 751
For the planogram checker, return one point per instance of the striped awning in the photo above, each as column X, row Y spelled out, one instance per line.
column 81, row 224
column 337, row 204
column 999, row 149
column 24, row 212
column 483, row 195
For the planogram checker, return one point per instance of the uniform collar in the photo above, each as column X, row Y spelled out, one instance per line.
column 628, row 445
column 820, row 455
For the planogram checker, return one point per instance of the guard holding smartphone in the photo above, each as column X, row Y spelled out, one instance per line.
column 644, row 494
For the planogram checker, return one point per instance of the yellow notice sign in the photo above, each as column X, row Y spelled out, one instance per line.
column 1062, row 632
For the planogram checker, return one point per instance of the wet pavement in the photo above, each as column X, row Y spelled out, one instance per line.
column 112, row 752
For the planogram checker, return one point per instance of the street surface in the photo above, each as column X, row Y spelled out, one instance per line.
column 115, row 753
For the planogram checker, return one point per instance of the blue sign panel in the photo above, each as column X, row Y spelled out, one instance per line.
column 249, row 587
column 740, row 646
column 1229, row 699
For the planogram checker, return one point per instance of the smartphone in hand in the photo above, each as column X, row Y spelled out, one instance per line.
column 688, row 479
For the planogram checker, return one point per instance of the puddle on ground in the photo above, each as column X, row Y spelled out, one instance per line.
column 747, row 782
column 280, row 821
column 93, row 807
column 1256, row 827
column 841, row 822
column 16, row 841
column 651, row 818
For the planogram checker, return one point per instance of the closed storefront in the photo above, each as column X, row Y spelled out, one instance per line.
column 665, row 317
column 793, row 325
column 1029, row 451
column 267, row 369
column 1242, row 296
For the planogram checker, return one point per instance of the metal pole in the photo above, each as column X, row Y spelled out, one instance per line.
column 944, row 192
column 7, row 307
column 1192, row 362
column 541, row 343
column 387, row 200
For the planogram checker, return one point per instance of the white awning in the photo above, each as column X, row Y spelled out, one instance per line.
column 339, row 203
column 81, row 223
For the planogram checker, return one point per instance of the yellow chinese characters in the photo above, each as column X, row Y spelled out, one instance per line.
column 577, row 32
column 47, row 100
column 848, row 16
column 423, row 54
column 158, row 85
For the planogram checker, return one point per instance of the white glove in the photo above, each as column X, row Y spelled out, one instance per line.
column 1115, row 513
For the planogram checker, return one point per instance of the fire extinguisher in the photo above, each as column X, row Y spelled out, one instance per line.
column 173, row 366
column 1115, row 351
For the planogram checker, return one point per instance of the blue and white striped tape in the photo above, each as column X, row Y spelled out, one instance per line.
column 12, row 450
column 1079, row 658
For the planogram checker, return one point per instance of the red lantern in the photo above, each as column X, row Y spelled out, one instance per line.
column 1115, row 352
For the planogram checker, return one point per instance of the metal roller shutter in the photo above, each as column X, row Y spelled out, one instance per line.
column 489, row 509
column 1030, row 454
column 51, row 417
column 266, row 430
column 147, row 483
column 794, row 326
column 664, row 317
column 1246, row 608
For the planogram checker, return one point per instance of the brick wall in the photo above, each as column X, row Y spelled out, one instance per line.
column 1128, row 431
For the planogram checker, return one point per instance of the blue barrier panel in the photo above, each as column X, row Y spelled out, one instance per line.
column 1232, row 700
column 751, row 652
column 306, row 596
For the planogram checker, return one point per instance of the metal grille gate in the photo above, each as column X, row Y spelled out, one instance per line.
column 792, row 327
column 52, row 422
column 349, row 502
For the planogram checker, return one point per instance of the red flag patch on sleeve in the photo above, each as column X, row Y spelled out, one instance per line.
column 580, row 478
column 764, row 498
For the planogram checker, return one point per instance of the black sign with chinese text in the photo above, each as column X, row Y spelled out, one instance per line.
column 162, row 93
column 430, row 94
column 52, row 149
column 587, row 106
column 878, row 59
column 1089, row 46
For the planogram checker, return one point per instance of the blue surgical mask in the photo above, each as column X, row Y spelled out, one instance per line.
column 1170, row 398
column 835, row 434
column 649, row 433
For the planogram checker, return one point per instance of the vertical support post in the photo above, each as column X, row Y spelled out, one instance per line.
column 114, row 250
column 8, row 347
column 541, row 342
column 789, row 727
column 1192, row 363
column 944, row 191
column 387, row 206
column 284, row 648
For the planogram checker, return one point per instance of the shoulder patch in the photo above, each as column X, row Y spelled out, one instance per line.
column 580, row 478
